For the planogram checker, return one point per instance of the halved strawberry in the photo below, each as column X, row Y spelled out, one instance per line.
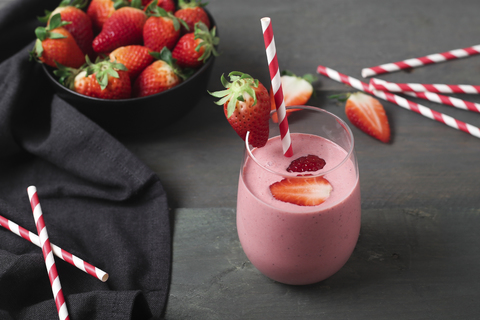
column 302, row 191
column 296, row 91
column 367, row 114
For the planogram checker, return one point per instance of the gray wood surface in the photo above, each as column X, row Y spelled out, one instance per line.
column 418, row 253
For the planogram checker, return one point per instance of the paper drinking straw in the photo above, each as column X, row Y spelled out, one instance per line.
column 276, row 86
column 404, row 103
column 48, row 254
column 59, row 252
column 418, row 62
column 446, row 100
column 418, row 87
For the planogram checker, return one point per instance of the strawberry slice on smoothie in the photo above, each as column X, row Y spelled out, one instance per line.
column 302, row 191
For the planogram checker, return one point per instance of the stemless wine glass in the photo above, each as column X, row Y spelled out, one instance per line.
column 299, row 244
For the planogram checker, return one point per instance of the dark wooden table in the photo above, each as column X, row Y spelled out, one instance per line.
column 418, row 254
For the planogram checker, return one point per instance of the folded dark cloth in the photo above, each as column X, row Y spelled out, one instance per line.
column 99, row 201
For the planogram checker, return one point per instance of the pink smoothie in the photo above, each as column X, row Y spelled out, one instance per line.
column 298, row 244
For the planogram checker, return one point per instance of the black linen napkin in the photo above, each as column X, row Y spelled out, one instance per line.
column 99, row 201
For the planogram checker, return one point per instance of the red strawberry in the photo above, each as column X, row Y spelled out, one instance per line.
column 99, row 11
column 296, row 91
column 80, row 26
column 135, row 58
column 247, row 107
column 367, row 114
column 193, row 49
column 161, row 75
column 162, row 29
column 123, row 28
column 307, row 163
column 168, row 5
column 192, row 12
column 302, row 191
column 55, row 44
column 103, row 79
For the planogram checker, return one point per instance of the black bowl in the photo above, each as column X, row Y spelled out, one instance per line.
column 139, row 115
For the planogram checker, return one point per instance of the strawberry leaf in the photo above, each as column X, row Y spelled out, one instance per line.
column 241, row 84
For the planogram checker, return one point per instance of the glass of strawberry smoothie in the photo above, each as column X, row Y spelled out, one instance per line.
column 300, row 226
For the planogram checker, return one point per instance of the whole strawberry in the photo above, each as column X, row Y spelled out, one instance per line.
column 162, row 29
column 80, row 25
column 99, row 11
column 55, row 44
column 247, row 107
column 192, row 12
column 135, row 58
column 123, row 28
column 193, row 49
column 103, row 79
column 161, row 75
column 168, row 5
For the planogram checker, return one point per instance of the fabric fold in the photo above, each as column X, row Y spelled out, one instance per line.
column 100, row 202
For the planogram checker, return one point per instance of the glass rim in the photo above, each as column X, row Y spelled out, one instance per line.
column 320, row 174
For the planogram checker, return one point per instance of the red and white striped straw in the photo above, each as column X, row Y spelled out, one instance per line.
column 421, row 61
column 446, row 100
column 48, row 254
column 402, row 102
column 59, row 252
column 277, row 85
column 418, row 87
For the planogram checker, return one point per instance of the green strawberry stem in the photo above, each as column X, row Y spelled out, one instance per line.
column 43, row 33
column 342, row 97
column 240, row 84
column 182, row 4
column 103, row 69
column 166, row 55
column 153, row 10
column 308, row 77
column 209, row 40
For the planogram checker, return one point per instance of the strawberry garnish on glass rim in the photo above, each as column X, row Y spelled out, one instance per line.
column 246, row 106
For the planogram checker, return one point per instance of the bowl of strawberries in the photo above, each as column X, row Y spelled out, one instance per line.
column 130, row 66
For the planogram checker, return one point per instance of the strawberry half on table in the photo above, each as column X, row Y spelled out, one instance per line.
column 367, row 113
column 55, row 44
column 296, row 91
column 246, row 106
column 193, row 49
column 103, row 79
